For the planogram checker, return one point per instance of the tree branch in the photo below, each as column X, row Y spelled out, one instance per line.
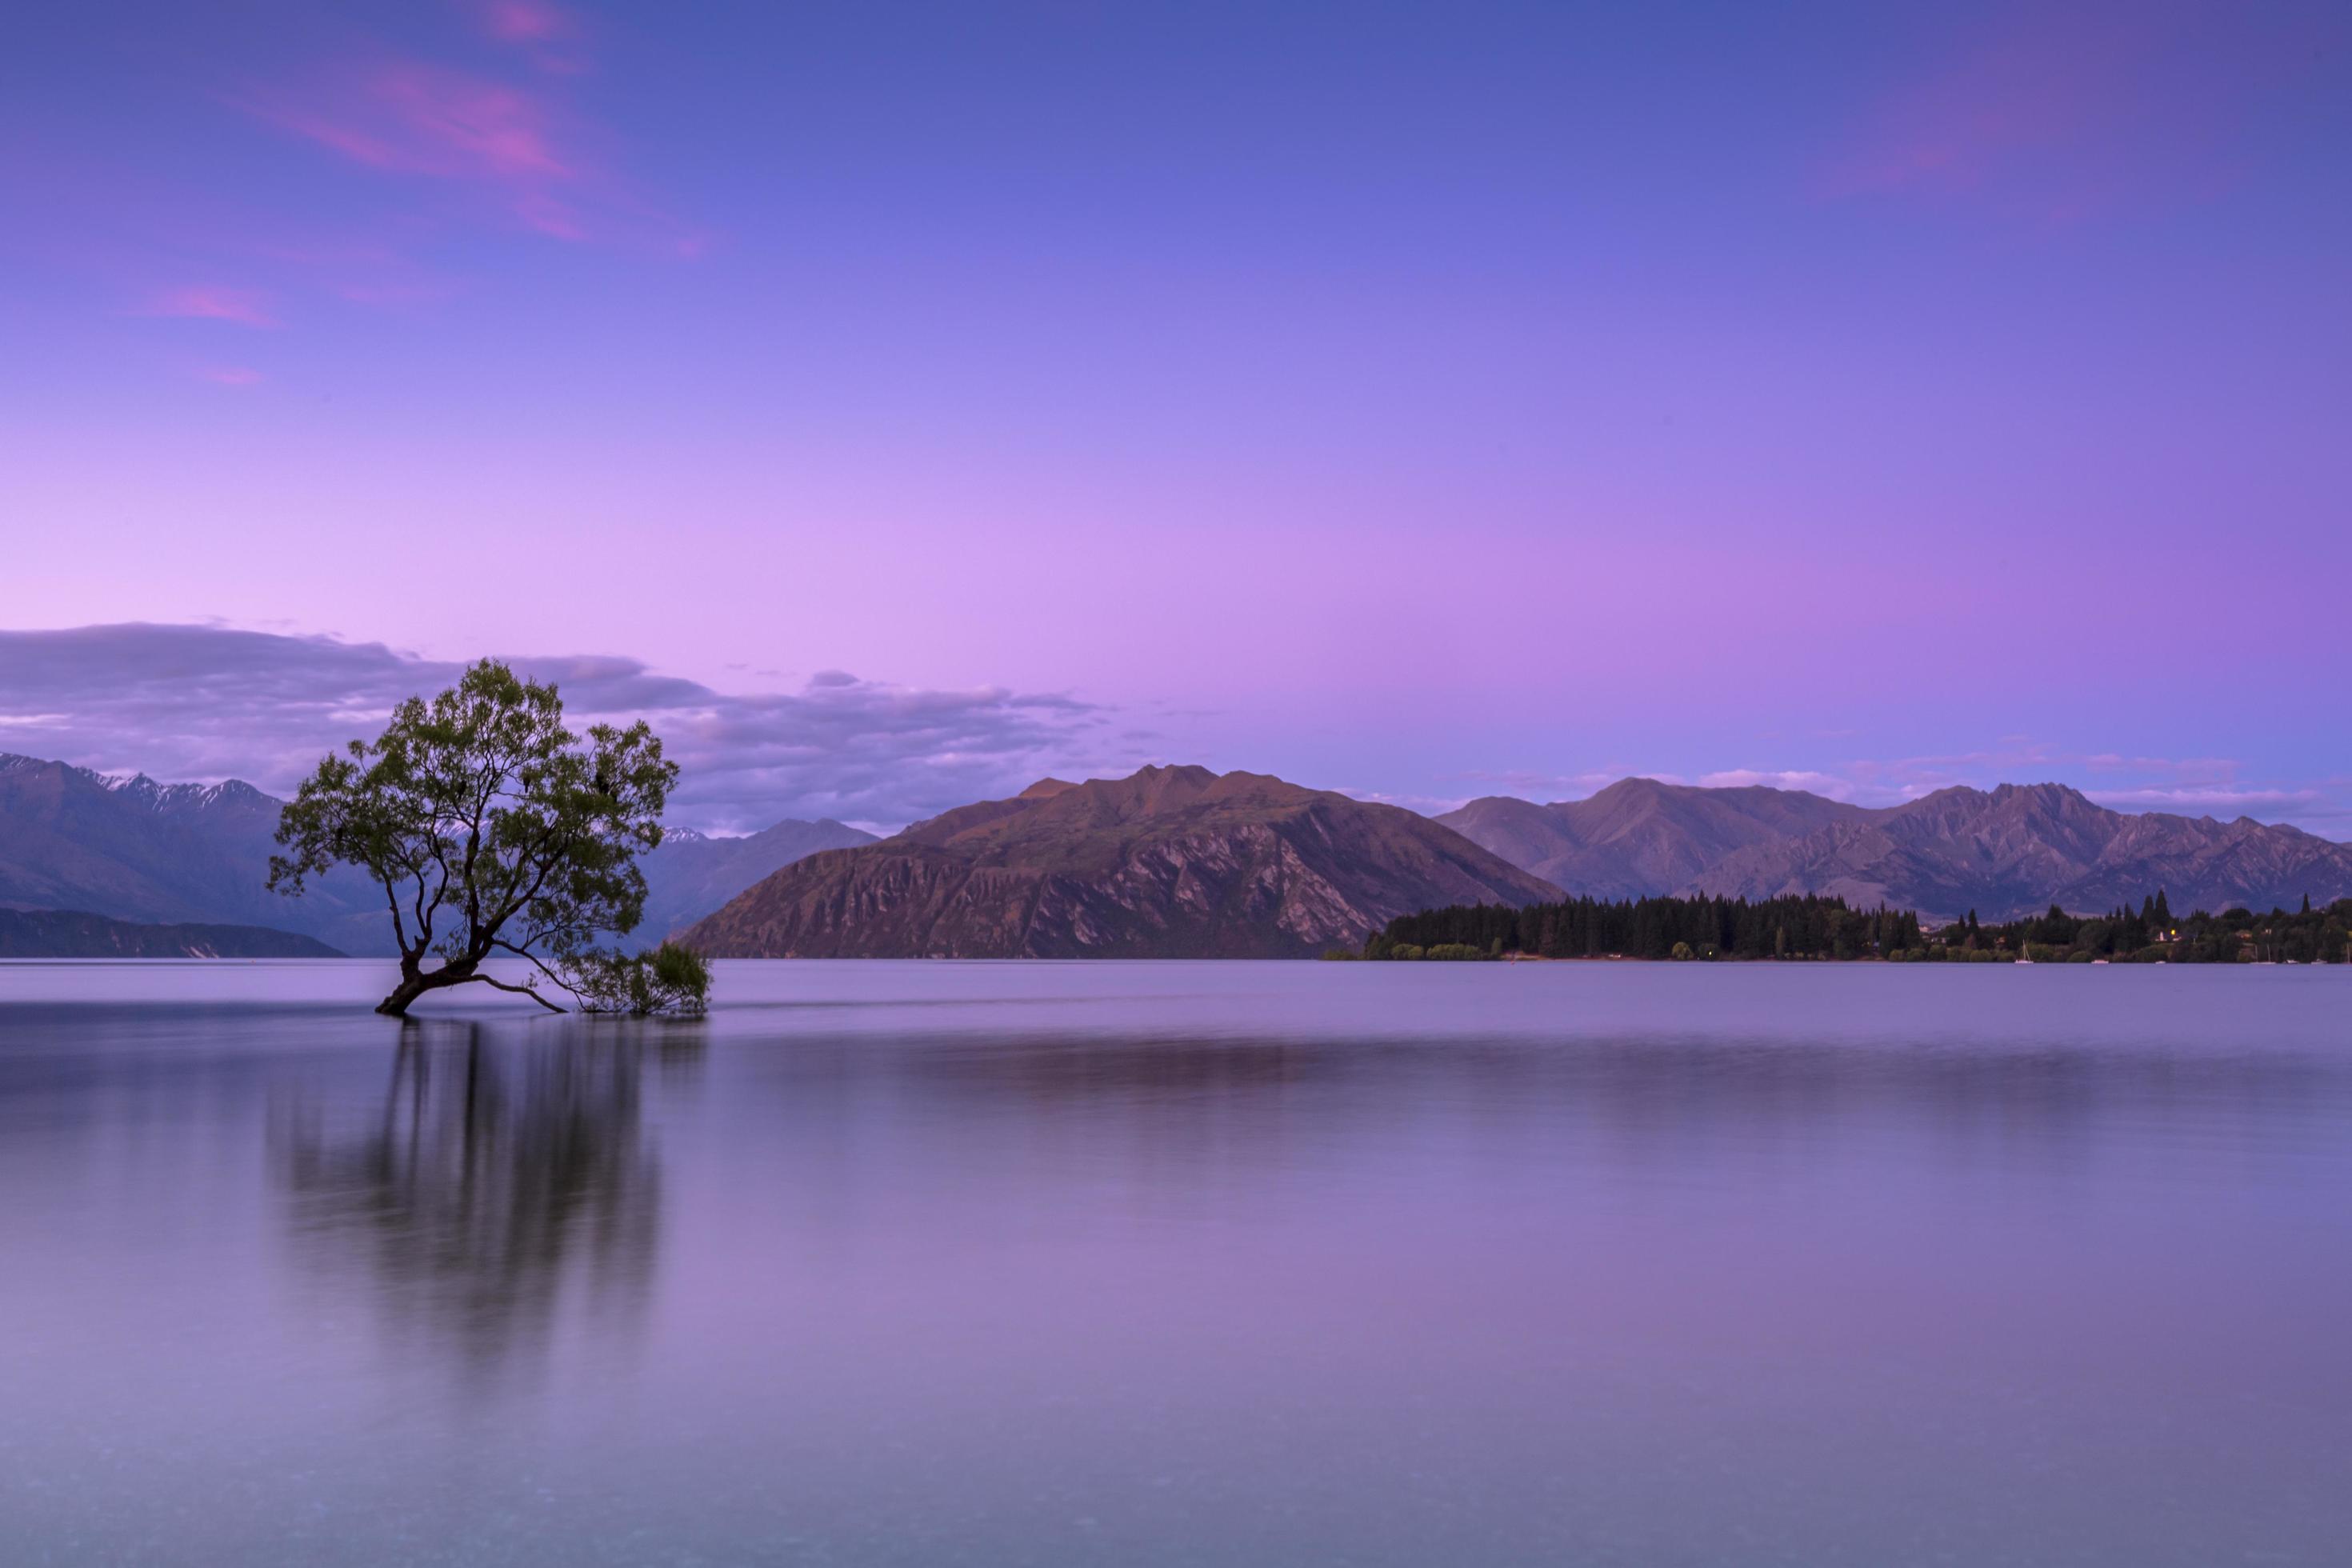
column 534, row 960
column 518, row 990
column 399, row 927
column 523, row 900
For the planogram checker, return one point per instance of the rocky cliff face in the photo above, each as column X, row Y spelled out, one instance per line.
column 1168, row 863
column 2004, row 853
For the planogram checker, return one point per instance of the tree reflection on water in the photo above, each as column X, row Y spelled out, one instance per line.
column 504, row 1193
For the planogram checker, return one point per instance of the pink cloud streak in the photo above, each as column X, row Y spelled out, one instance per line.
column 516, row 143
column 429, row 121
column 547, row 33
column 410, row 118
column 525, row 21
column 547, row 216
column 212, row 303
column 2057, row 113
column 2054, row 117
column 1954, row 131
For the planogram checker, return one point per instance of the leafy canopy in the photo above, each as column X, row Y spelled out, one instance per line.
column 672, row 978
column 493, row 829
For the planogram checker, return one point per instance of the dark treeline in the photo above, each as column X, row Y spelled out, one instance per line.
column 2152, row 933
column 1813, row 927
column 1804, row 926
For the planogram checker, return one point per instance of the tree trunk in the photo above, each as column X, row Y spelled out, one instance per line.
column 416, row 982
column 396, row 1004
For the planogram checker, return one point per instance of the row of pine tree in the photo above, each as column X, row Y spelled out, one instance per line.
column 1814, row 927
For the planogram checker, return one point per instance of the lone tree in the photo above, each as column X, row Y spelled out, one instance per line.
column 495, row 833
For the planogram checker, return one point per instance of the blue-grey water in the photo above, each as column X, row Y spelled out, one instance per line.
column 1142, row 1264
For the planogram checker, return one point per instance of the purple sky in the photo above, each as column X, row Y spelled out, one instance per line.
column 1426, row 401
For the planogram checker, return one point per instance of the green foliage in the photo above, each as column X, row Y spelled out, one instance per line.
column 493, row 831
column 671, row 979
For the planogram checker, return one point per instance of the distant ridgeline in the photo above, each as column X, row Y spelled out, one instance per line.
column 1815, row 928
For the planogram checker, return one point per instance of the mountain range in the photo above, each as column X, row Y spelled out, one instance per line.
column 133, row 849
column 1183, row 862
column 1171, row 862
column 1638, row 836
column 693, row 873
column 2005, row 853
column 136, row 850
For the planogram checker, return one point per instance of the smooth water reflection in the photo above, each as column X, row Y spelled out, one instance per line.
column 1141, row 1263
column 497, row 1181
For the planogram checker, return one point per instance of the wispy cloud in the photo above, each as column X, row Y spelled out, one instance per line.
column 489, row 125
column 2214, row 801
column 517, row 147
column 2053, row 113
column 549, row 36
column 409, row 118
column 198, row 702
column 1813, row 783
column 2191, row 786
column 524, row 21
column 235, row 376
column 362, row 270
column 1426, row 805
column 211, row 302
column 546, row 215
column 1974, row 120
column 1532, row 784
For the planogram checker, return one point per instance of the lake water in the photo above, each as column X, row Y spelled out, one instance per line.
column 1140, row 1264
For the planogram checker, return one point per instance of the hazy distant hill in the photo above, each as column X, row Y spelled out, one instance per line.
column 2018, row 849
column 1639, row 835
column 133, row 849
column 73, row 933
column 691, row 874
column 1172, row 862
column 2008, row 853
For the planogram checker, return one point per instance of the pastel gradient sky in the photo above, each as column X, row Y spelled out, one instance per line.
column 1422, row 400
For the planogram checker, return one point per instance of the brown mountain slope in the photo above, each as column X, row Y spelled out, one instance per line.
column 1169, row 863
column 2017, row 849
column 1638, row 836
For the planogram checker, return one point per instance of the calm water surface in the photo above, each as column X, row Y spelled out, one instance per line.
column 1142, row 1264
